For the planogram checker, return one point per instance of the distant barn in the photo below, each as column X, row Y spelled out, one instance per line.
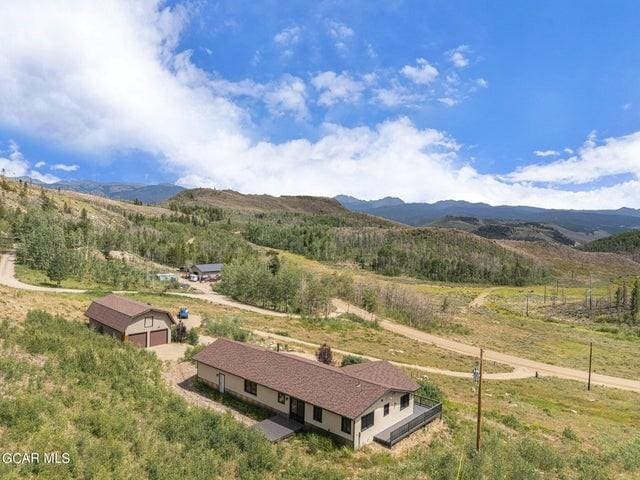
column 206, row 270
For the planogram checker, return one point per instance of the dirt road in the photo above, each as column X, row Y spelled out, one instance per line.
column 518, row 363
column 513, row 375
column 8, row 277
column 522, row 367
column 204, row 292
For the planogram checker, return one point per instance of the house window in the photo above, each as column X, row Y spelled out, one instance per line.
column 404, row 401
column 251, row 387
column 386, row 409
column 281, row 398
column 367, row 421
column 317, row 414
column 346, row 425
column 148, row 322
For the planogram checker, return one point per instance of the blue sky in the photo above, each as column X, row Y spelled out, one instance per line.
column 504, row 102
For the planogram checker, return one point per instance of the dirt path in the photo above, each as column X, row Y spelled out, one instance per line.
column 518, row 363
column 513, row 375
column 8, row 277
column 481, row 299
column 180, row 378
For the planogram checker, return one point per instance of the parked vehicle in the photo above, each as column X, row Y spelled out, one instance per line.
column 193, row 277
column 183, row 313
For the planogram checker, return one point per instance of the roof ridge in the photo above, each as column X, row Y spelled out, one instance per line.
column 306, row 361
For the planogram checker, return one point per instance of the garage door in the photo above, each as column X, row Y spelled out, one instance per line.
column 158, row 337
column 139, row 339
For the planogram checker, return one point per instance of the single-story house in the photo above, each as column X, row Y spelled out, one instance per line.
column 357, row 404
column 131, row 321
column 206, row 270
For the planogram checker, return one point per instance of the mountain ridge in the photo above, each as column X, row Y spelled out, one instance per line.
column 595, row 223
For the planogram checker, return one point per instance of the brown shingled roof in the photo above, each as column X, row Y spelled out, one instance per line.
column 328, row 387
column 382, row 373
column 119, row 312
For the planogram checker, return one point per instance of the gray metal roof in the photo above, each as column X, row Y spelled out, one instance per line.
column 208, row 267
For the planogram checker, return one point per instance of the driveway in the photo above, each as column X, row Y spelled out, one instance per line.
column 204, row 292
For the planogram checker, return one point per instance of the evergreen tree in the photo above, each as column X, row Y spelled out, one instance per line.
column 324, row 354
column 635, row 302
column 59, row 267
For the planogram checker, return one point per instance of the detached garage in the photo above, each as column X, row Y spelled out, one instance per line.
column 130, row 321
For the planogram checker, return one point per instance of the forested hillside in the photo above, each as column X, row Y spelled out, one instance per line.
column 626, row 242
column 228, row 199
column 431, row 254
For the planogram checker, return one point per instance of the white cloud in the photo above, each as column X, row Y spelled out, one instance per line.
column 423, row 73
column 616, row 156
column 482, row 83
column 288, row 97
column 396, row 95
column 63, row 167
column 339, row 30
column 457, row 56
column 340, row 33
column 43, row 177
column 568, row 150
column 546, row 153
column 13, row 164
column 627, row 106
column 336, row 88
column 109, row 78
column 448, row 101
column 288, row 36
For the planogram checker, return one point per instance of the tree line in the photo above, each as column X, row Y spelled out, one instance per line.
column 431, row 254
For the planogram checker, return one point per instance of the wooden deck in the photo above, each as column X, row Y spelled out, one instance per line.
column 421, row 416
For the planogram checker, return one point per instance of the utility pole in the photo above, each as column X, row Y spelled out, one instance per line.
column 590, row 293
column 590, row 357
column 527, row 307
column 479, row 405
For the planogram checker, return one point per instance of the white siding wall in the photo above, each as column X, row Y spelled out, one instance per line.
column 235, row 385
column 158, row 321
column 331, row 422
column 380, row 422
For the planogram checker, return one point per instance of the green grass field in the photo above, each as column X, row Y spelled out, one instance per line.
column 67, row 388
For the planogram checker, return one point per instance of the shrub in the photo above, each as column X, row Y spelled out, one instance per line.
column 226, row 327
column 192, row 337
column 569, row 434
column 192, row 351
column 351, row 360
column 429, row 390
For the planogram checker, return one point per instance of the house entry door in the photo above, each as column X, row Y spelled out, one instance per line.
column 296, row 409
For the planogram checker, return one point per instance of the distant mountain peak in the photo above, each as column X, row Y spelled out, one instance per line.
column 346, row 201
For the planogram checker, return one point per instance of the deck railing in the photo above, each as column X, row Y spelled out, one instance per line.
column 434, row 409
